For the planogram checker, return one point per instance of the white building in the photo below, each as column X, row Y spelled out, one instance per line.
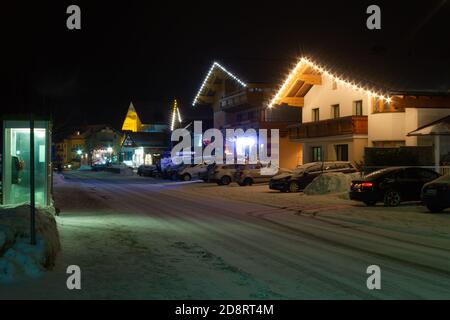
column 342, row 116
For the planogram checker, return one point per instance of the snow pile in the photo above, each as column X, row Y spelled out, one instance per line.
column 328, row 183
column 17, row 257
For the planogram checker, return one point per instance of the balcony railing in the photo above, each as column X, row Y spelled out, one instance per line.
column 244, row 98
column 331, row 127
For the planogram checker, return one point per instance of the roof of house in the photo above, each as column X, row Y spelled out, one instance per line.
column 269, row 71
column 395, row 74
column 436, row 128
column 378, row 76
column 243, row 72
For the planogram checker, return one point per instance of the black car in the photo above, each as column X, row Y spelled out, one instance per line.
column 391, row 185
column 436, row 194
column 147, row 171
column 301, row 177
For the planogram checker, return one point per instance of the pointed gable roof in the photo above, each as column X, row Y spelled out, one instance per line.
column 215, row 73
column 132, row 121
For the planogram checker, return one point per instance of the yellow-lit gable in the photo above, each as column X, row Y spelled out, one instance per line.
column 132, row 122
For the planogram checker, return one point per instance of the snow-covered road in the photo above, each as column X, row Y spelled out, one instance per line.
column 137, row 239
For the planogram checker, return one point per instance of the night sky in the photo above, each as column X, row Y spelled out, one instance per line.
column 150, row 51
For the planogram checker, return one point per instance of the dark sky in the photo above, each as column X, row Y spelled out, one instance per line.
column 155, row 51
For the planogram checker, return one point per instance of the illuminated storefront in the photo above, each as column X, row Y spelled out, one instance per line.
column 16, row 162
column 103, row 156
column 144, row 148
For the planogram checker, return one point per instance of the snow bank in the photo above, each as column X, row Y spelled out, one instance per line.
column 328, row 183
column 17, row 257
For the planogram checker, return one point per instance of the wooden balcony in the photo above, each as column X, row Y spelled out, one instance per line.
column 245, row 98
column 333, row 127
column 255, row 124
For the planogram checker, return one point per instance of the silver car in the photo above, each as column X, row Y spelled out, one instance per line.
column 251, row 174
column 223, row 174
column 192, row 172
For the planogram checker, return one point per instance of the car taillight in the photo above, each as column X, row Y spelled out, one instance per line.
column 367, row 185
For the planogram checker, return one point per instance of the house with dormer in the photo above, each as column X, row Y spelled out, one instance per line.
column 348, row 107
column 241, row 102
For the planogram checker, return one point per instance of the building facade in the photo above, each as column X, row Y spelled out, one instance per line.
column 144, row 144
column 243, row 105
column 334, row 124
column 341, row 117
column 89, row 145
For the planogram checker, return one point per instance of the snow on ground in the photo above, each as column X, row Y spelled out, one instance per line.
column 18, row 258
column 409, row 217
column 138, row 238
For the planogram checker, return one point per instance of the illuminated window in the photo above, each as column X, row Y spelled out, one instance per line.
column 315, row 115
column 335, row 111
column 341, row 152
column 358, row 108
column 16, row 167
column 317, row 154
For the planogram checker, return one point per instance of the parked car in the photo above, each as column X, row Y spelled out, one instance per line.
column 171, row 171
column 391, row 185
column 207, row 175
column 101, row 165
column 303, row 175
column 223, row 174
column 436, row 194
column 251, row 174
column 147, row 171
column 191, row 172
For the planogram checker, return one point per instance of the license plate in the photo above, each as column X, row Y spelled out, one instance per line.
column 431, row 192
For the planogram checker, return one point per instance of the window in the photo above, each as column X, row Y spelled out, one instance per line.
column 427, row 175
column 239, row 117
column 251, row 115
column 341, row 152
column 317, row 154
column 358, row 108
column 315, row 115
column 335, row 111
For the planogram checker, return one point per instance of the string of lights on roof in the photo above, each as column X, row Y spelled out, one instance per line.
column 216, row 65
column 327, row 73
column 175, row 114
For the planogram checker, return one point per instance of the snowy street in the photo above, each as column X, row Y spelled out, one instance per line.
column 137, row 238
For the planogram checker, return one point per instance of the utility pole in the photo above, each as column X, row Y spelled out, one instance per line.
column 32, row 185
